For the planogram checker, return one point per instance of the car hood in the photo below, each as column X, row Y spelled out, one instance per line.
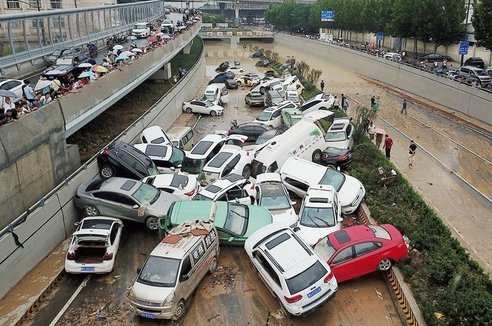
column 144, row 292
column 312, row 235
column 349, row 190
column 139, row 30
column 161, row 205
column 284, row 216
column 258, row 218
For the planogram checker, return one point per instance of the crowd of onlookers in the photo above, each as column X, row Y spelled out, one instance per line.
column 115, row 59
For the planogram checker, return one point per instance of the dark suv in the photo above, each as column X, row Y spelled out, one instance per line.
column 475, row 62
column 123, row 160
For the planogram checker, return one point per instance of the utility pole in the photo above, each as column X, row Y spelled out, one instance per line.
column 466, row 27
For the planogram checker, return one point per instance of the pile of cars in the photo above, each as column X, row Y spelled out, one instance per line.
column 282, row 199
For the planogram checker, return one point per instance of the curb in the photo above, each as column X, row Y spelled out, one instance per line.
column 408, row 308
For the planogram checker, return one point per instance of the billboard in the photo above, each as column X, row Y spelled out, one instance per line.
column 327, row 15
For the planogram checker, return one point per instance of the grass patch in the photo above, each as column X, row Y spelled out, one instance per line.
column 187, row 60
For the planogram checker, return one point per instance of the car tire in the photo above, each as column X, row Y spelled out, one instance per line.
column 180, row 310
column 246, row 171
column 189, row 110
column 152, row 223
column 213, row 113
column 107, row 171
column 316, row 158
column 385, row 265
column 90, row 210
column 213, row 265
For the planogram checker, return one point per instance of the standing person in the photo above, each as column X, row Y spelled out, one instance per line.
column 371, row 130
column 7, row 105
column 404, row 107
column 411, row 152
column 345, row 103
column 388, row 143
column 373, row 102
column 336, row 103
column 28, row 91
column 322, row 85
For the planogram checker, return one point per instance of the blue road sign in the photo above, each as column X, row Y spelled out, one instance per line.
column 327, row 15
column 464, row 45
column 379, row 36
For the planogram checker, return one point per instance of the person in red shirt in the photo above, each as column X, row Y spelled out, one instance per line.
column 388, row 143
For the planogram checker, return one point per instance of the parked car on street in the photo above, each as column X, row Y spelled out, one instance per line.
column 155, row 135
column 476, row 73
column 300, row 279
column 167, row 158
column 320, row 214
column 475, row 62
column 362, row 249
column 51, row 58
column 236, row 69
column 298, row 175
column 123, row 198
column 66, row 65
column 246, row 80
column 339, row 134
column 123, row 160
column 202, row 152
column 232, row 188
column 271, row 116
column 13, row 85
column 273, row 98
column 252, row 130
column 141, row 30
column 94, row 246
column 435, row 57
column 254, row 98
column 184, row 186
column 203, row 107
column 231, row 84
column 272, row 194
column 235, row 222
column 333, row 157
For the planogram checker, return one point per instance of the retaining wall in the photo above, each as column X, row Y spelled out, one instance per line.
column 456, row 96
column 52, row 221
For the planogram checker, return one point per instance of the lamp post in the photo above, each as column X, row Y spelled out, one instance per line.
column 466, row 27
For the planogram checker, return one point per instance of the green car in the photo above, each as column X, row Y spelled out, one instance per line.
column 234, row 222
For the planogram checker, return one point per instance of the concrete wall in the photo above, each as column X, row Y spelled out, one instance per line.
column 48, row 225
column 459, row 97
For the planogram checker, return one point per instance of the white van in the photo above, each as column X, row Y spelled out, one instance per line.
column 293, row 83
column 217, row 93
column 180, row 136
column 174, row 270
column 305, row 139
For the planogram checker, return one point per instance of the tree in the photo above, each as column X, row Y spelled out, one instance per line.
column 482, row 23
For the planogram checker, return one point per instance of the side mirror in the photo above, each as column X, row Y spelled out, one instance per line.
column 139, row 270
column 183, row 278
column 135, row 206
column 230, row 239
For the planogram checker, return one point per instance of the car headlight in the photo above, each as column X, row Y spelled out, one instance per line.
column 169, row 298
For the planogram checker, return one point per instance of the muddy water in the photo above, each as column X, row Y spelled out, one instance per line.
column 457, row 150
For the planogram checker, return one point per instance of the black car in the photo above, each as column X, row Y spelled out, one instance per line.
column 269, row 134
column 51, row 58
column 231, row 84
column 475, row 62
column 120, row 159
column 336, row 157
column 251, row 129
column 435, row 57
column 66, row 65
column 220, row 78
column 222, row 67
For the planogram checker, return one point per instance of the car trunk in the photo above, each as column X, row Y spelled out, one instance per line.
column 90, row 250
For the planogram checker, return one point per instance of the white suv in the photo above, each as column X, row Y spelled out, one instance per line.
column 340, row 134
column 300, row 279
column 232, row 187
column 318, row 102
column 320, row 214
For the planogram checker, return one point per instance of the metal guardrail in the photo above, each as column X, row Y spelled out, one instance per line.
column 30, row 36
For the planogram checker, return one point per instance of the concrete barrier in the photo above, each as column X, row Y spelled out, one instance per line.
column 52, row 220
column 462, row 98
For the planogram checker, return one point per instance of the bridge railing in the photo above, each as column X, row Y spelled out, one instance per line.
column 30, row 36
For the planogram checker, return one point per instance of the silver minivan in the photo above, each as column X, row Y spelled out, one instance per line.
column 174, row 269
column 180, row 136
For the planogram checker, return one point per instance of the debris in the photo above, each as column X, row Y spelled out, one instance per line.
column 355, row 289
column 224, row 275
column 379, row 294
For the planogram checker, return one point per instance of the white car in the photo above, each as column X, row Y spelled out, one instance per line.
column 272, row 194
column 204, row 107
column 318, row 102
column 202, row 152
column 154, row 135
column 184, row 186
column 293, row 83
column 320, row 214
column 167, row 158
column 236, row 69
column 300, row 279
column 265, row 84
column 293, row 97
column 247, row 80
column 299, row 174
column 14, row 86
column 230, row 159
column 339, row 135
column 141, row 30
column 272, row 115
column 232, row 187
column 94, row 245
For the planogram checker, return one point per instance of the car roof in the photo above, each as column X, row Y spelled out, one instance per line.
column 162, row 180
column 268, row 177
column 316, row 115
column 120, row 185
column 222, row 183
column 199, row 209
column 212, row 138
column 156, row 151
column 339, row 125
column 154, row 132
column 319, row 196
column 351, row 234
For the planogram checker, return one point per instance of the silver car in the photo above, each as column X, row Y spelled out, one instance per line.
column 125, row 199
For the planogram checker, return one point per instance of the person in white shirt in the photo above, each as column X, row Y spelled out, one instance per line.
column 7, row 105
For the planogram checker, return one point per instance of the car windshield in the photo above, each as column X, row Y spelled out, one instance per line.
column 237, row 219
column 325, row 249
column 140, row 26
column 307, row 278
column 219, row 159
column 318, row 217
column 267, row 135
column 335, row 136
column 273, row 196
column 481, row 73
column 177, row 156
column 146, row 194
column 333, row 178
column 63, row 61
column 192, row 166
column 264, row 116
column 159, row 271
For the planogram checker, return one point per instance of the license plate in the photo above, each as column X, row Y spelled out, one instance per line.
column 87, row 269
column 147, row 315
column 314, row 292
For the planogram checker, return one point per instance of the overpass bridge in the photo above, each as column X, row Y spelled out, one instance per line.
column 235, row 34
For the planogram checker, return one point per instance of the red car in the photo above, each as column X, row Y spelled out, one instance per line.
column 362, row 249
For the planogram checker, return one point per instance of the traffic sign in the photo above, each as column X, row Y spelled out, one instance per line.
column 327, row 15
column 464, row 45
column 379, row 36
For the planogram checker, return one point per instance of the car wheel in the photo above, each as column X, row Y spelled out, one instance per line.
column 189, row 110
column 384, row 265
column 213, row 113
column 151, row 223
column 90, row 210
column 213, row 265
column 180, row 310
column 317, row 156
column 107, row 171
column 246, row 171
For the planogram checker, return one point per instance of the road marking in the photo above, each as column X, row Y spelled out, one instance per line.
column 69, row 302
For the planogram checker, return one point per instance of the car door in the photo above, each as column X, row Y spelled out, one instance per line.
column 230, row 167
column 128, row 207
column 224, row 96
column 106, row 203
column 199, row 107
column 115, row 236
column 267, row 274
column 238, row 195
column 342, row 264
column 367, row 257
column 199, row 263
column 185, row 285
